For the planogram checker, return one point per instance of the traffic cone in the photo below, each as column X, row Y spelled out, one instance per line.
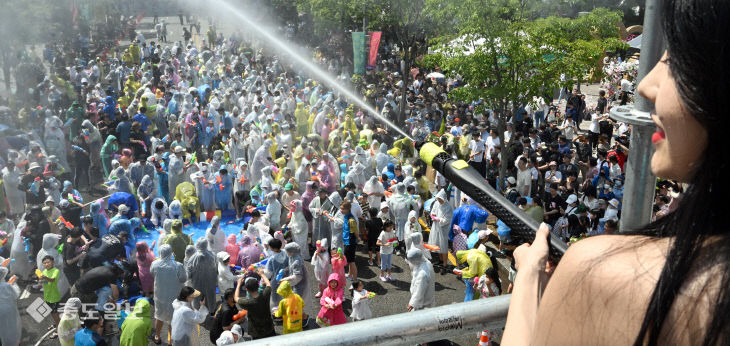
column 484, row 339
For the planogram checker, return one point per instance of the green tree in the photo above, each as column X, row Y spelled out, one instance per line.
column 504, row 59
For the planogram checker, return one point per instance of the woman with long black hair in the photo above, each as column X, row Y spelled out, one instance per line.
column 668, row 283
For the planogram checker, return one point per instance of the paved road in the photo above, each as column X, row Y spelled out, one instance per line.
column 391, row 298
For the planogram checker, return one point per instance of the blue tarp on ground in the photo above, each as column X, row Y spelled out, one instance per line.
column 229, row 224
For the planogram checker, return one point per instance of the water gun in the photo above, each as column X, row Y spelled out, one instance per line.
column 38, row 273
column 145, row 229
column 60, row 249
column 242, row 313
column 262, row 264
column 165, row 139
column 319, row 244
column 6, row 262
column 457, row 271
column 371, row 295
column 65, row 223
column 394, row 241
column 77, row 148
column 219, row 181
column 432, row 248
column 153, row 244
column 424, row 225
column 34, row 186
column 339, row 251
column 193, row 158
column 12, row 279
column 280, row 275
column 26, row 242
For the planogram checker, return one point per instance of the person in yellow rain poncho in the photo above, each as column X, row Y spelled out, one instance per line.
column 402, row 146
column 280, row 165
column 302, row 119
column 134, row 52
column 310, row 119
column 350, row 127
column 478, row 262
column 127, row 58
column 137, row 326
column 291, row 308
column 366, row 137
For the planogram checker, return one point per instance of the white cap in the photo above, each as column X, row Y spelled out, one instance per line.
column 571, row 199
column 511, row 180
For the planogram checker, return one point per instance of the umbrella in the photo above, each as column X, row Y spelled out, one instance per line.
column 635, row 42
column 435, row 75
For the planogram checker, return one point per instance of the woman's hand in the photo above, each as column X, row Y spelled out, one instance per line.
column 533, row 257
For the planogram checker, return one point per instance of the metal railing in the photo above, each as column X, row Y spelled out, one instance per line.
column 421, row 326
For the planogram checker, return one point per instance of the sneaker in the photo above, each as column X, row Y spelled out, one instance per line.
column 370, row 262
column 390, row 278
column 383, row 279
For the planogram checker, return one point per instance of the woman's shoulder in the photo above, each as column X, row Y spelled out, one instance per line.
column 600, row 290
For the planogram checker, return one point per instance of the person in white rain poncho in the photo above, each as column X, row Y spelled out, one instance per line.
column 375, row 192
column 261, row 160
column 186, row 320
column 175, row 210
column 337, row 224
column 169, row 278
column 400, row 205
column 412, row 227
column 321, row 264
column 298, row 228
column 441, row 213
column 50, row 242
column 216, row 236
column 10, row 328
column 11, row 176
column 204, row 181
column 382, row 158
column 360, row 304
column 70, row 322
column 296, row 273
column 176, row 169
column 416, row 241
column 423, row 281
column 21, row 265
column 320, row 225
column 273, row 210
column 158, row 209
column 146, row 192
column 226, row 278
column 203, row 274
column 303, row 175
column 364, row 158
column 356, row 176
column 243, row 177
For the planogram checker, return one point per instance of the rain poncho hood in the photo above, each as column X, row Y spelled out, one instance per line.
column 137, row 326
column 178, row 240
column 202, row 272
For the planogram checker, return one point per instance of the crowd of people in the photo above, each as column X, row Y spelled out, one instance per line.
column 172, row 134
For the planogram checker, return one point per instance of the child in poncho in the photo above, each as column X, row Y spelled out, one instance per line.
column 331, row 312
column 290, row 308
column 322, row 265
column 360, row 302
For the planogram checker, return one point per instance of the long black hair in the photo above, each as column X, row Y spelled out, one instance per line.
column 697, row 33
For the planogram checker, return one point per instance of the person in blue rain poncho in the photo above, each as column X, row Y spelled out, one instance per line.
column 110, row 106
column 163, row 187
column 169, row 277
column 465, row 216
column 119, row 198
column 223, row 189
column 68, row 190
column 278, row 262
column 204, row 181
column 101, row 221
column 390, row 171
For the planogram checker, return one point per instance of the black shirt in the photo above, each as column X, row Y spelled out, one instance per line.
column 95, row 279
column 260, row 322
column 374, row 227
column 72, row 270
column 223, row 317
column 553, row 203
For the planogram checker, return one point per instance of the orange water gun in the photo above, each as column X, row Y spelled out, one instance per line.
column 240, row 314
column 65, row 223
column 432, row 248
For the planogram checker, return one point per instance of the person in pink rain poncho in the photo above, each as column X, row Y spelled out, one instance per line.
column 145, row 257
column 331, row 312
